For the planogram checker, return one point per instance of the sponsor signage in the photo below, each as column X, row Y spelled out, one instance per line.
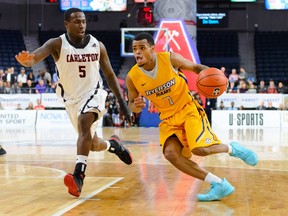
column 17, row 118
column 246, row 118
column 249, row 100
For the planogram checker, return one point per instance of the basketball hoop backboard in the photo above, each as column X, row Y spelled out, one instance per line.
column 128, row 34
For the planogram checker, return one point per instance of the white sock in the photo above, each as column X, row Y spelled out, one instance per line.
column 212, row 178
column 229, row 149
column 81, row 159
column 108, row 144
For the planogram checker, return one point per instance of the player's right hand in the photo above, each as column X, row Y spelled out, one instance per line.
column 24, row 57
column 140, row 102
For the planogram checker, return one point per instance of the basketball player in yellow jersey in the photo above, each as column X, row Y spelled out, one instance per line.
column 184, row 127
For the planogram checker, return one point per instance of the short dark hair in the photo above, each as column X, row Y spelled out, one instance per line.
column 68, row 13
column 143, row 36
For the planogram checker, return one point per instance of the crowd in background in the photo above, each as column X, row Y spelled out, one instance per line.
column 244, row 82
column 13, row 82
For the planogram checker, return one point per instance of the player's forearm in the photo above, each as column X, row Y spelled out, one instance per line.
column 199, row 67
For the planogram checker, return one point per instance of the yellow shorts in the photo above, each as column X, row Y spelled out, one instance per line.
column 191, row 126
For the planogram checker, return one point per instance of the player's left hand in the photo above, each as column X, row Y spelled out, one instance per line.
column 24, row 57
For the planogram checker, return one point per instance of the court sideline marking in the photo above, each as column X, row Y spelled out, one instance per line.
column 61, row 212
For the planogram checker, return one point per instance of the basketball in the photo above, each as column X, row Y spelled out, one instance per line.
column 211, row 82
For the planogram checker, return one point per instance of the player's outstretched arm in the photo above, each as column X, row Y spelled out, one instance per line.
column 52, row 46
column 136, row 101
column 181, row 63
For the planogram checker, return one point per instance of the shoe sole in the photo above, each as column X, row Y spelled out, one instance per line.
column 71, row 185
column 117, row 139
column 218, row 199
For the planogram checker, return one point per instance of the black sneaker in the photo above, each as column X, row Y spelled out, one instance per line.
column 2, row 151
column 118, row 148
column 74, row 184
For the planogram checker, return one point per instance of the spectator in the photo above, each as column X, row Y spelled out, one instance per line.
column 261, row 106
column 270, row 106
column 46, row 77
column 232, row 88
column 16, row 88
column 261, row 88
column 272, row 88
column 10, row 77
column 221, row 107
column 40, row 87
column 30, row 106
column 282, row 88
column 233, row 77
column 31, row 77
column 251, row 87
column 223, row 69
column 29, row 89
column 7, row 87
column 243, row 88
column 18, row 107
column 243, row 74
column 282, row 107
column 232, row 107
column 54, row 83
column 39, row 105
column 22, row 77
column 2, row 87
column 2, row 75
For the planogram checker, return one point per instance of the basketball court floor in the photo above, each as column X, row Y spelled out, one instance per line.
column 31, row 177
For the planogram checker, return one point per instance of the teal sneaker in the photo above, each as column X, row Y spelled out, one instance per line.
column 217, row 191
column 248, row 156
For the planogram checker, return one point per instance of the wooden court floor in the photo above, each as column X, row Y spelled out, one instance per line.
column 31, row 177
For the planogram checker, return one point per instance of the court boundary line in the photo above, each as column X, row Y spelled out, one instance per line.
column 81, row 200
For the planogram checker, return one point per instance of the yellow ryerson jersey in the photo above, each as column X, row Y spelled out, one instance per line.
column 162, row 86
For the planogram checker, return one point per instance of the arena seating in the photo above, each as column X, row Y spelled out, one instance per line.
column 271, row 55
column 11, row 42
column 218, row 49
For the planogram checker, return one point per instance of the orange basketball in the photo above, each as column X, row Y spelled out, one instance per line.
column 211, row 83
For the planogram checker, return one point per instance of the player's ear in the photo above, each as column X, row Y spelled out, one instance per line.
column 65, row 24
column 153, row 48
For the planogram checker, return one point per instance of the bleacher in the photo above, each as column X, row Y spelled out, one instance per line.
column 271, row 55
column 217, row 49
column 11, row 43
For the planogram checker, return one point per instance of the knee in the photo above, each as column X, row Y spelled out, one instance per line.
column 171, row 155
column 200, row 151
